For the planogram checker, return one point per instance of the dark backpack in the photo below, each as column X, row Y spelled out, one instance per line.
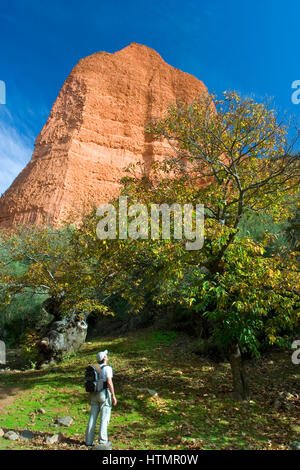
column 93, row 378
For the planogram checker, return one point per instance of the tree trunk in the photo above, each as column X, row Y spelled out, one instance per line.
column 60, row 338
column 52, row 305
column 240, row 385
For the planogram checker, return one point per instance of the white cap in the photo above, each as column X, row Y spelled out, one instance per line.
column 101, row 355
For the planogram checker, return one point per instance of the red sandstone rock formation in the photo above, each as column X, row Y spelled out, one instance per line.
column 95, row 129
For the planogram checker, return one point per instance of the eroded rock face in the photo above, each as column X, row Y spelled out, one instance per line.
column 95, row 129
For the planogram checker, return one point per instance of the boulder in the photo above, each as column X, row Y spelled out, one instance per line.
column 63, row 337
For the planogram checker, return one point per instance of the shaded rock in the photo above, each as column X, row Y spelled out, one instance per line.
column 295, row 445
column 11, row 435
column 148, row 390
column 107, row 446
column 26, row 435
column 15, row 359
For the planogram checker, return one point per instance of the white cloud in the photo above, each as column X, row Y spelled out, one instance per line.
column 15, row 152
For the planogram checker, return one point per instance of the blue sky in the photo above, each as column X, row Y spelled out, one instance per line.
column 249, row 46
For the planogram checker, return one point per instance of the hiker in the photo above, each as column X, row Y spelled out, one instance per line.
column 101, row 401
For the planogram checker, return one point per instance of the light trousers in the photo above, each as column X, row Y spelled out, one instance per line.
column 101, row 402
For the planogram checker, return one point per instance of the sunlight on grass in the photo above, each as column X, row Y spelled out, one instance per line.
column 191, row 410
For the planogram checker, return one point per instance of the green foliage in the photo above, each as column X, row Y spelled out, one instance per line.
column 29, row 347
column 232, row 156
column 244, row 282
column 40, row 263
column 24, row 311
column 284, row 234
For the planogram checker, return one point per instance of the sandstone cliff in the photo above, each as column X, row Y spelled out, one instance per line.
column 95, row 129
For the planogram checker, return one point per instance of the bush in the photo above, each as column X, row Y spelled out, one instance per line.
column 25, row 311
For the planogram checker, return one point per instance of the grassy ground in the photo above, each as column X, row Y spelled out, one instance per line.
column 193, row 408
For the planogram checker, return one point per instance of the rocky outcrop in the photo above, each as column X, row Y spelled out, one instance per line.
column 62, row 337
column 95, row 129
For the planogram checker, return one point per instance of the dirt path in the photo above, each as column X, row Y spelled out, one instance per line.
column 14, row 363
column 7, row 396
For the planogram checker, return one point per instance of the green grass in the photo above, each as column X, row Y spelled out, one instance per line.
column 193, row 409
